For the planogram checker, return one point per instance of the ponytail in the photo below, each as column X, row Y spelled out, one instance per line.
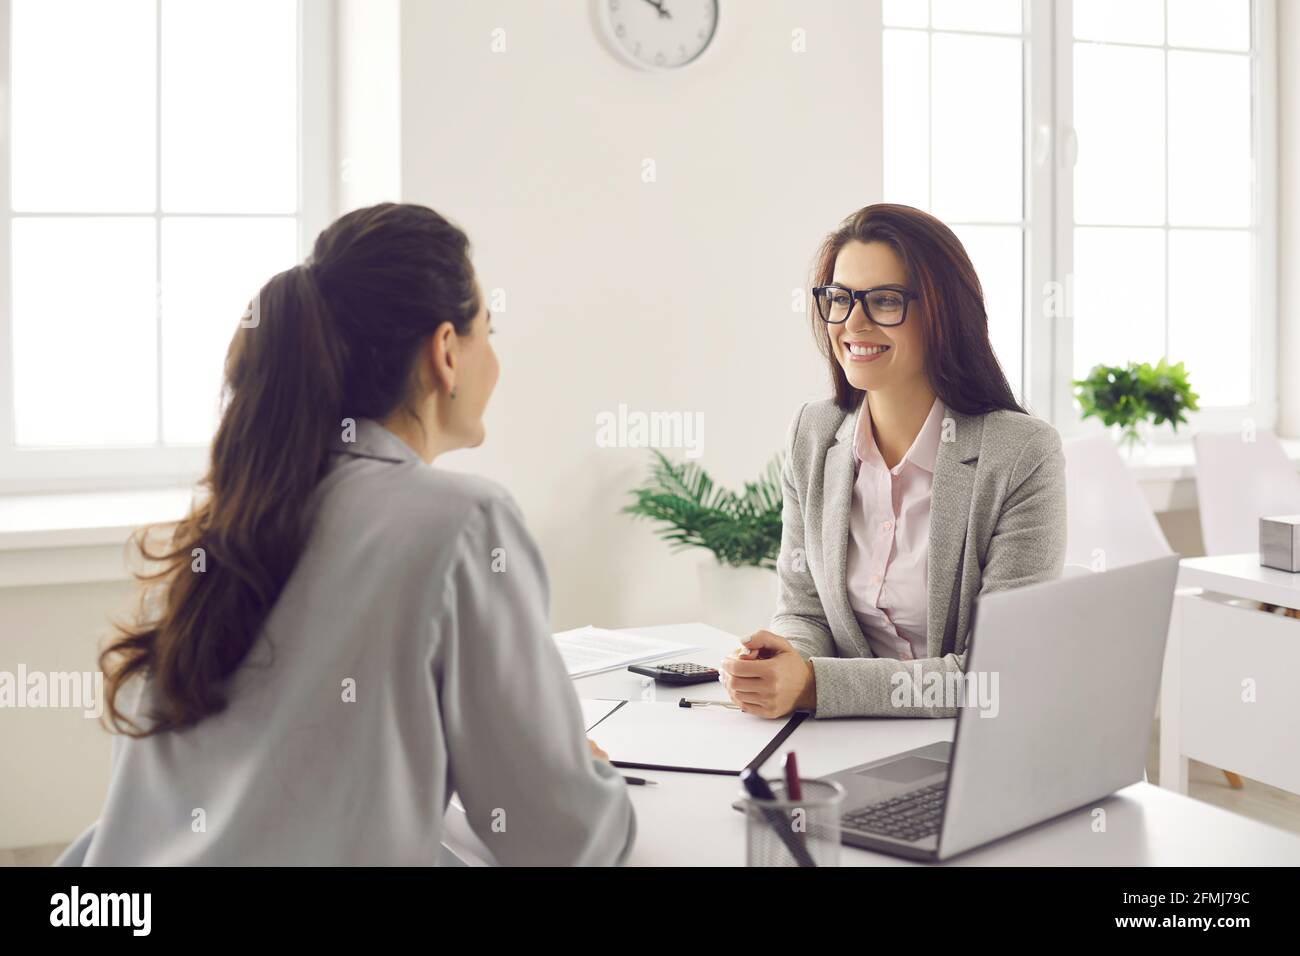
column 331, row 338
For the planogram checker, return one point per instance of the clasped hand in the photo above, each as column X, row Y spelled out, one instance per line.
column 768, row 677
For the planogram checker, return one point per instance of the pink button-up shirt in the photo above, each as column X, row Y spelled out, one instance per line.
column 889, row 528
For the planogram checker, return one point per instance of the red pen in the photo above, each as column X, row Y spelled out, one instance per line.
column 793, row 791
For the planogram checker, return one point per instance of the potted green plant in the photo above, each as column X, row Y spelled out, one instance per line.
column 1127, row 397
column 741, row 530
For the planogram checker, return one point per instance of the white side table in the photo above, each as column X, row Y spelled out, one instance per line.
column 1229, row 696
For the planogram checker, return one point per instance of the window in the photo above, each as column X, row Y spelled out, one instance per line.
column 1164, row 232
column 1137, row 133
column 155, row 181
column 954, row 118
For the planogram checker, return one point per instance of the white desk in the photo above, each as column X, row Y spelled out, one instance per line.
column 1215, row 648
column 687, row 820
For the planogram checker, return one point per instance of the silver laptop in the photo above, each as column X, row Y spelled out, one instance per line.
column 1078, row 665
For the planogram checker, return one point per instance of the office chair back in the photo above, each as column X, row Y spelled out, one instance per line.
column 1109, row 523
column 1237, row 483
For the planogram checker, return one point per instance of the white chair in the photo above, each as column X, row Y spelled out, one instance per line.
column 1237, row 483
column 1109, row 523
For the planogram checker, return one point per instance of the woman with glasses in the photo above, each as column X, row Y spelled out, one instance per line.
column 920, row 484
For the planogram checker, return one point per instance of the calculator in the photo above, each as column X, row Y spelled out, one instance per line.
column 676, row 673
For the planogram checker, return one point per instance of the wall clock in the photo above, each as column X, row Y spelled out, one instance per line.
column 658, row 34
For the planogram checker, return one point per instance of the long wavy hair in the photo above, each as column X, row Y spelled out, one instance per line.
column 959, row 359
column 335, row 337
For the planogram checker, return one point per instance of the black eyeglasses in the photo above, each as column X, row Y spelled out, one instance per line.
column 883, row 305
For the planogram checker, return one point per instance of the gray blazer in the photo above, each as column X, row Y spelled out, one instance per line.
column 997, row 520
column 408, row 656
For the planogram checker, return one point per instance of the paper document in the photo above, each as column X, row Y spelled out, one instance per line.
column 594, row 711
column 590, row 650
column 662, row 735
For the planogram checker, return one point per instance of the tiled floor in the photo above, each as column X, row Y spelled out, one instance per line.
column 1256, row 800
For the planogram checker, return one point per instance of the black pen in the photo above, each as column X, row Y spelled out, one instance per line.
column 640, row 782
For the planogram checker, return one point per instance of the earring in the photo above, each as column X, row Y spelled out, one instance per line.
column 453, row 393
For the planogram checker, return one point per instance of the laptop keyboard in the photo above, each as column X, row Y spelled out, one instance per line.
column 911, row 816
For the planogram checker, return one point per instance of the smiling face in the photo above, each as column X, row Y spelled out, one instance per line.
column 876, row 358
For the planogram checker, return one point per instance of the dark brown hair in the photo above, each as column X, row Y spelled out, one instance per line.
column 959, row 359
column 335, row 337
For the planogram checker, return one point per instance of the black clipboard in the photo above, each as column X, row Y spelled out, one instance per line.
column 794, row 721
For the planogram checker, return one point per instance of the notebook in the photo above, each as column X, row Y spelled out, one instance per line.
column 660, row 735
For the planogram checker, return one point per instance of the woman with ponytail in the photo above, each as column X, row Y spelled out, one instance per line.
column 341, row 636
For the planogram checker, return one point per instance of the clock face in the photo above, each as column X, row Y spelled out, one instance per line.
column 659, row 34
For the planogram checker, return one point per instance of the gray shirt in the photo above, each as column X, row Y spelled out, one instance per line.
column 408, row 657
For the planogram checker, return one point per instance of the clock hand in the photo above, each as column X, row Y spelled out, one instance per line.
column 659, row 5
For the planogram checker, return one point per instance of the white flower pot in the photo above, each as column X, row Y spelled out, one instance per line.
column 740, row 601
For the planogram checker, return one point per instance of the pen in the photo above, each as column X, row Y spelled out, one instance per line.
column 793, row 789
column 640, row 782
column 759, row 790
column 688, row 702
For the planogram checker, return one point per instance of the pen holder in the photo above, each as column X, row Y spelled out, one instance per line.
column 778, row 832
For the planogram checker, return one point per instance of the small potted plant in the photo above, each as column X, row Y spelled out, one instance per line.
column 742, row 530
column 1133, row 396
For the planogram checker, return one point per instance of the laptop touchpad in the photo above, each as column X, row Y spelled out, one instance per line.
column 906, row 770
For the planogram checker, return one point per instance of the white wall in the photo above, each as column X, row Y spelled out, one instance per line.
column 54, row 763
column 666, row 296
column 369, row 102
column 1288, row 194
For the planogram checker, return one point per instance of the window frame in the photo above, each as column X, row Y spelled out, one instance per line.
column 1035, row 208
column 1057, row 248
column 1050, row 146
column 28, row 470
